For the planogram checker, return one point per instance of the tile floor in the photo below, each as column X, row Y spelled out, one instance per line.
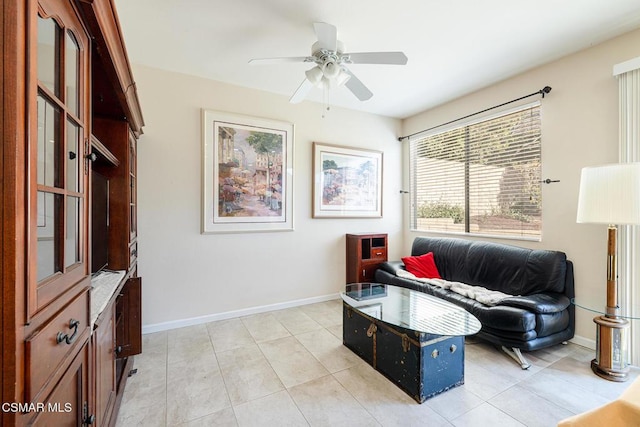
column 289, row 368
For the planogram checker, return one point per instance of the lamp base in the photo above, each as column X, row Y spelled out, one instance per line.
column 610, row 362
column 609, row 373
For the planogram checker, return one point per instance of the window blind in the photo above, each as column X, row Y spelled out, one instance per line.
column 482, row 177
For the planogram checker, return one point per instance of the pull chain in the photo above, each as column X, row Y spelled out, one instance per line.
column 325, row 100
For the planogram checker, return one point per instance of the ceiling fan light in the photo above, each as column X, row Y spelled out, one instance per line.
column 331, row 70
column 314, row 75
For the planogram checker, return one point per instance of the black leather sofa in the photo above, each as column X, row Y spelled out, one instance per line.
column 538, row 315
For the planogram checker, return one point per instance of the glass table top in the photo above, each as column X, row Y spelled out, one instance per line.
column 603, row 312
column 410, row 309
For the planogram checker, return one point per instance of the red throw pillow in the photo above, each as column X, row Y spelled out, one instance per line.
column 422, row 266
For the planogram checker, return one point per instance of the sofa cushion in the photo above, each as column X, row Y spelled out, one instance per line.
column 551, row 323
column 509, row 269
column 498, row 317
column 539, row 303
column 509, row 335
column 422, row 266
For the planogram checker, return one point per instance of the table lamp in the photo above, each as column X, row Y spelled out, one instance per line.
column 610, row 194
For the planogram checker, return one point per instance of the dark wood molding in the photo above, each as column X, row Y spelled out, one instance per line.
column 13, row 39
column 104, row 27
column 104, row 152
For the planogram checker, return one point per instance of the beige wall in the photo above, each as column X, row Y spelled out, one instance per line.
column 580, row 128
column 189, row 277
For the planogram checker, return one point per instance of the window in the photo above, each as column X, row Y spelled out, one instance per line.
column 480, row 178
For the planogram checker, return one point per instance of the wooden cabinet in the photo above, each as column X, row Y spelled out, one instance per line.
column 365, row 252
column 116, row 143
column 63, row 68
column 117, row 137
column 104, row 351
column 116, row 337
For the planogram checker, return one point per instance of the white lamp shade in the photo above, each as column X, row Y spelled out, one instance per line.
column 314, row 75
column 330, row 70
column 610, row 194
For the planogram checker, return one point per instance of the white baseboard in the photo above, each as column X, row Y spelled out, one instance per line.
column 584, row 342
column 181, row 323
column 174, row 324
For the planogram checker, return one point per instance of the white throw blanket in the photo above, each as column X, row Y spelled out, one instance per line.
column 478, row 293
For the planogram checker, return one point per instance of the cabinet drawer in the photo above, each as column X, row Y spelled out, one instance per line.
column 379, row 253
column 50, row 350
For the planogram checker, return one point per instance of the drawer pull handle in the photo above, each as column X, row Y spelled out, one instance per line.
column 378, row 253
column 73, row 324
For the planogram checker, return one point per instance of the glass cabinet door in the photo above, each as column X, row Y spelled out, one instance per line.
column 59, row 201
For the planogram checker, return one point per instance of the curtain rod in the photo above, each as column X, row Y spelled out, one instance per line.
column 542, row 92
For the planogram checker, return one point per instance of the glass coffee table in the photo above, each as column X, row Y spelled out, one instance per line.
column 416, row 340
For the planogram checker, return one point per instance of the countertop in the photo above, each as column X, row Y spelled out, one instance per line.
column 103, row 285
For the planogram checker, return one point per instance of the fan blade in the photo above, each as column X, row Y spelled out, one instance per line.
column 357, row 87
column 301, row 92
column 327, row 36
column 393, row 58
column 269, row 61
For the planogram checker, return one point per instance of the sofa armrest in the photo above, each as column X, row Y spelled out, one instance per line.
column 391, row 267
column 549, row 302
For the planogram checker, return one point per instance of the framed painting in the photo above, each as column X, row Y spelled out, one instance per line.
column 247, row 174
column 347, row 182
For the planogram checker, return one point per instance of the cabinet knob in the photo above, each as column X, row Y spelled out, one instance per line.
column 118, row 350
column 90, row 420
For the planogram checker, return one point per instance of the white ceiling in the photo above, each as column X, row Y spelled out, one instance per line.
column 454, row 46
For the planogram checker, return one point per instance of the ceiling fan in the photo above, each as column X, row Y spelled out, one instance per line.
column 330, row 70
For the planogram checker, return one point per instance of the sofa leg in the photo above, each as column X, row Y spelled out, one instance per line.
column 516, row 355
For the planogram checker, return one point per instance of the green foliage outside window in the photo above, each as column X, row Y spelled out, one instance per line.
column 441, row 210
